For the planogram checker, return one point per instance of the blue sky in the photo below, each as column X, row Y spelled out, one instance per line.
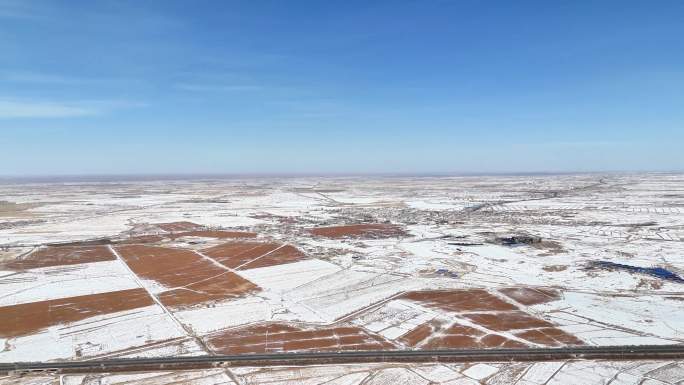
column 121, row 87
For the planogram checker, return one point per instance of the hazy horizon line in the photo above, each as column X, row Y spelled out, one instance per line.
column 124, row 177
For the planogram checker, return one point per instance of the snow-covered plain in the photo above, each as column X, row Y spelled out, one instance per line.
column 94, row 336
column 64, row 281
column 451, row 227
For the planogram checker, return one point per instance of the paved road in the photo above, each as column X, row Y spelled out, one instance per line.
column 642, row 352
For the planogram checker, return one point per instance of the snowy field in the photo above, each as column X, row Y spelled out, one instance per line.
column 395, row 261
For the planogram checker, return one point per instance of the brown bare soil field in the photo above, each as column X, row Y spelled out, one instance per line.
column 549, row 337
column 27, row 318
column 459, row 300
column 530, row 296
column 507, row 320
column 249, row 255
column 218, row 234
column 60, row 255
column 225, row 286
column 286, row 338
column 434, row 335
column 490, row 312
column 366, row 230
column 173, row 227
column 192, row 278
column 141, row 239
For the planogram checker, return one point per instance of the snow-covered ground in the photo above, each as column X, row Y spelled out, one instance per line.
column 451, row 227
column 63, row 281
column 95, row 336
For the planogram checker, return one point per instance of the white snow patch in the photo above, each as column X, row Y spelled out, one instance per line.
column 540, row 373
column 226, row 314
column 55, row 282
column 336, row 295
column 480, row 371
column 645, row 314
column 394, row 318
column 289, row 275
column 92, row 336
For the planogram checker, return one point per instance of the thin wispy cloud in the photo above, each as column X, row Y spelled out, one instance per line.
column 29, row 109
column 17, row 110
column 61, row 80
column 217, row 82
column 218, row 87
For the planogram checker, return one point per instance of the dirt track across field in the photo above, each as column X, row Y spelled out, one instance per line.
column 250, row 255
column 190, row 278
column 495, row 322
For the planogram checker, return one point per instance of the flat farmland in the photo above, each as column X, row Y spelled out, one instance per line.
column 246, row 255
column 185, row 277
column 341, row 264
column 362, row 230
column 59, row 256
column 270, row 338
column 27, row 318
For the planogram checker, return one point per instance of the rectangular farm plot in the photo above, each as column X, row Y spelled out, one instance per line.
column 288, row 338
column 135, row 332
column 173, row 227
column 56, row 282
column 394, row 318
column 59, row 256
column 218, row 234
column 444, row 335
column 290, row 275
column 190, row 229
column 250, row 255
column 530, row 296
column 509, row 320
column 363, row 230
column 28, row 318
column 549, row 336
column 459, row 300
column 476, row 318
column 336, row 295
column 227, row 285
column 190, row 278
